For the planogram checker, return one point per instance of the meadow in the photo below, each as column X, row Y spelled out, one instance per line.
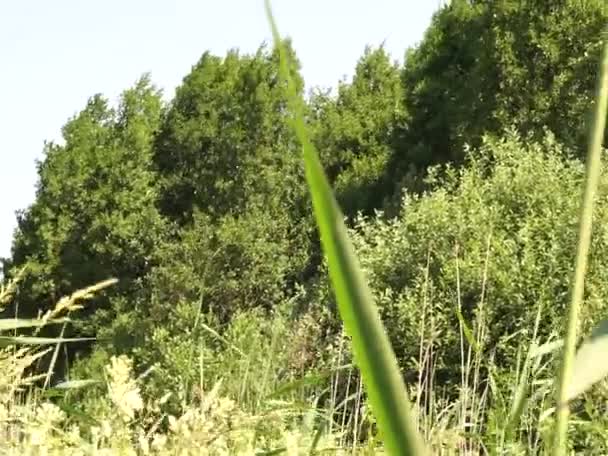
column 414, row 265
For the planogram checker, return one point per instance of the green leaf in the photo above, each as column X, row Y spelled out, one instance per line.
column 467, row 332
column 590, row 363
column 372, row 349
column 307, row 380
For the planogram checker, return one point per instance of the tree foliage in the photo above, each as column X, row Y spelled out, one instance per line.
column 231, row 177
column 94, row 215
column 486, row 66
column 355, row 131
column 496, row 240
column 225, row 141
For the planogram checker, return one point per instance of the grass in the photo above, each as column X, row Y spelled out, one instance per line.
column 567, row 374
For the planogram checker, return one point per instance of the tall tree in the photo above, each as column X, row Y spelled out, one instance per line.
column 355, row 130
column 231, row 178
column 94, row 215
column 225, row 140
column 485, row 66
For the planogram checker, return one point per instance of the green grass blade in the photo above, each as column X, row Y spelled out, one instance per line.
column 6, row 341
column 468, row 334
column 546, row 348
column 307, row 380
column 372, row 349
column 76, row 384
column 219, row 337
column 520, row 399
column 10, row 324
column 593, row 173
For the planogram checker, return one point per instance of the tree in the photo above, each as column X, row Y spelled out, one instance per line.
column 355, row 131
column 225, row 140
column 232, row 179
column 94, row 215
column 488, row 66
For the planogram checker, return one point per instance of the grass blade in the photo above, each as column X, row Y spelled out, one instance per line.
column 372, row 349
column 308, row 380
column 593, row 173
column 75, row 384
column 6, row 341
column 10, row 324
column 520, row 399
column 468, row 334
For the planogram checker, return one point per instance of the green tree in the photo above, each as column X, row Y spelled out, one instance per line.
column 225, row 140
column 231, row 178
column 355, row 131
column 488, row 66
column 94, row 215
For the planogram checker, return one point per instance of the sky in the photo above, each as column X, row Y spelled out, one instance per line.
column 55, row 54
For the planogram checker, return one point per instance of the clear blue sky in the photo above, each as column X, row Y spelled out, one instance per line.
column 55, row 54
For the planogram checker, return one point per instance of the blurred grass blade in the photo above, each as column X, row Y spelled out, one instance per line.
column 590, row 363
column 520, row 397
column 10, row 324
column 219, row 337
column 6, row 341
column 307, row 380
column 594, row 163
column 75, row 384
column 272, row 452
column 546, row 348
column 468, row 334
column 372, row 350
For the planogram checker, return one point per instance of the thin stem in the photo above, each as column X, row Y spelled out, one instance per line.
column 593, row 173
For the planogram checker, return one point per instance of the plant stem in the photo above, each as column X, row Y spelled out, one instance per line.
column 584, row 242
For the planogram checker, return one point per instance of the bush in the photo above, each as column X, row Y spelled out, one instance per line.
column 496, row 240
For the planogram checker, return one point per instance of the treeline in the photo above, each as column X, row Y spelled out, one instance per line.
column 199, row 206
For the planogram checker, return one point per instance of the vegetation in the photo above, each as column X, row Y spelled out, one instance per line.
column 460, row 175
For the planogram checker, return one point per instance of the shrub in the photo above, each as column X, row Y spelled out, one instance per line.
column 496, row 240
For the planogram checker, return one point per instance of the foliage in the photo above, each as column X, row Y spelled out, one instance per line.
column 230, row 176
column 484, row 67
column 94, row 216
column 354, row 131
column 225, row 142
column 497, row 236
